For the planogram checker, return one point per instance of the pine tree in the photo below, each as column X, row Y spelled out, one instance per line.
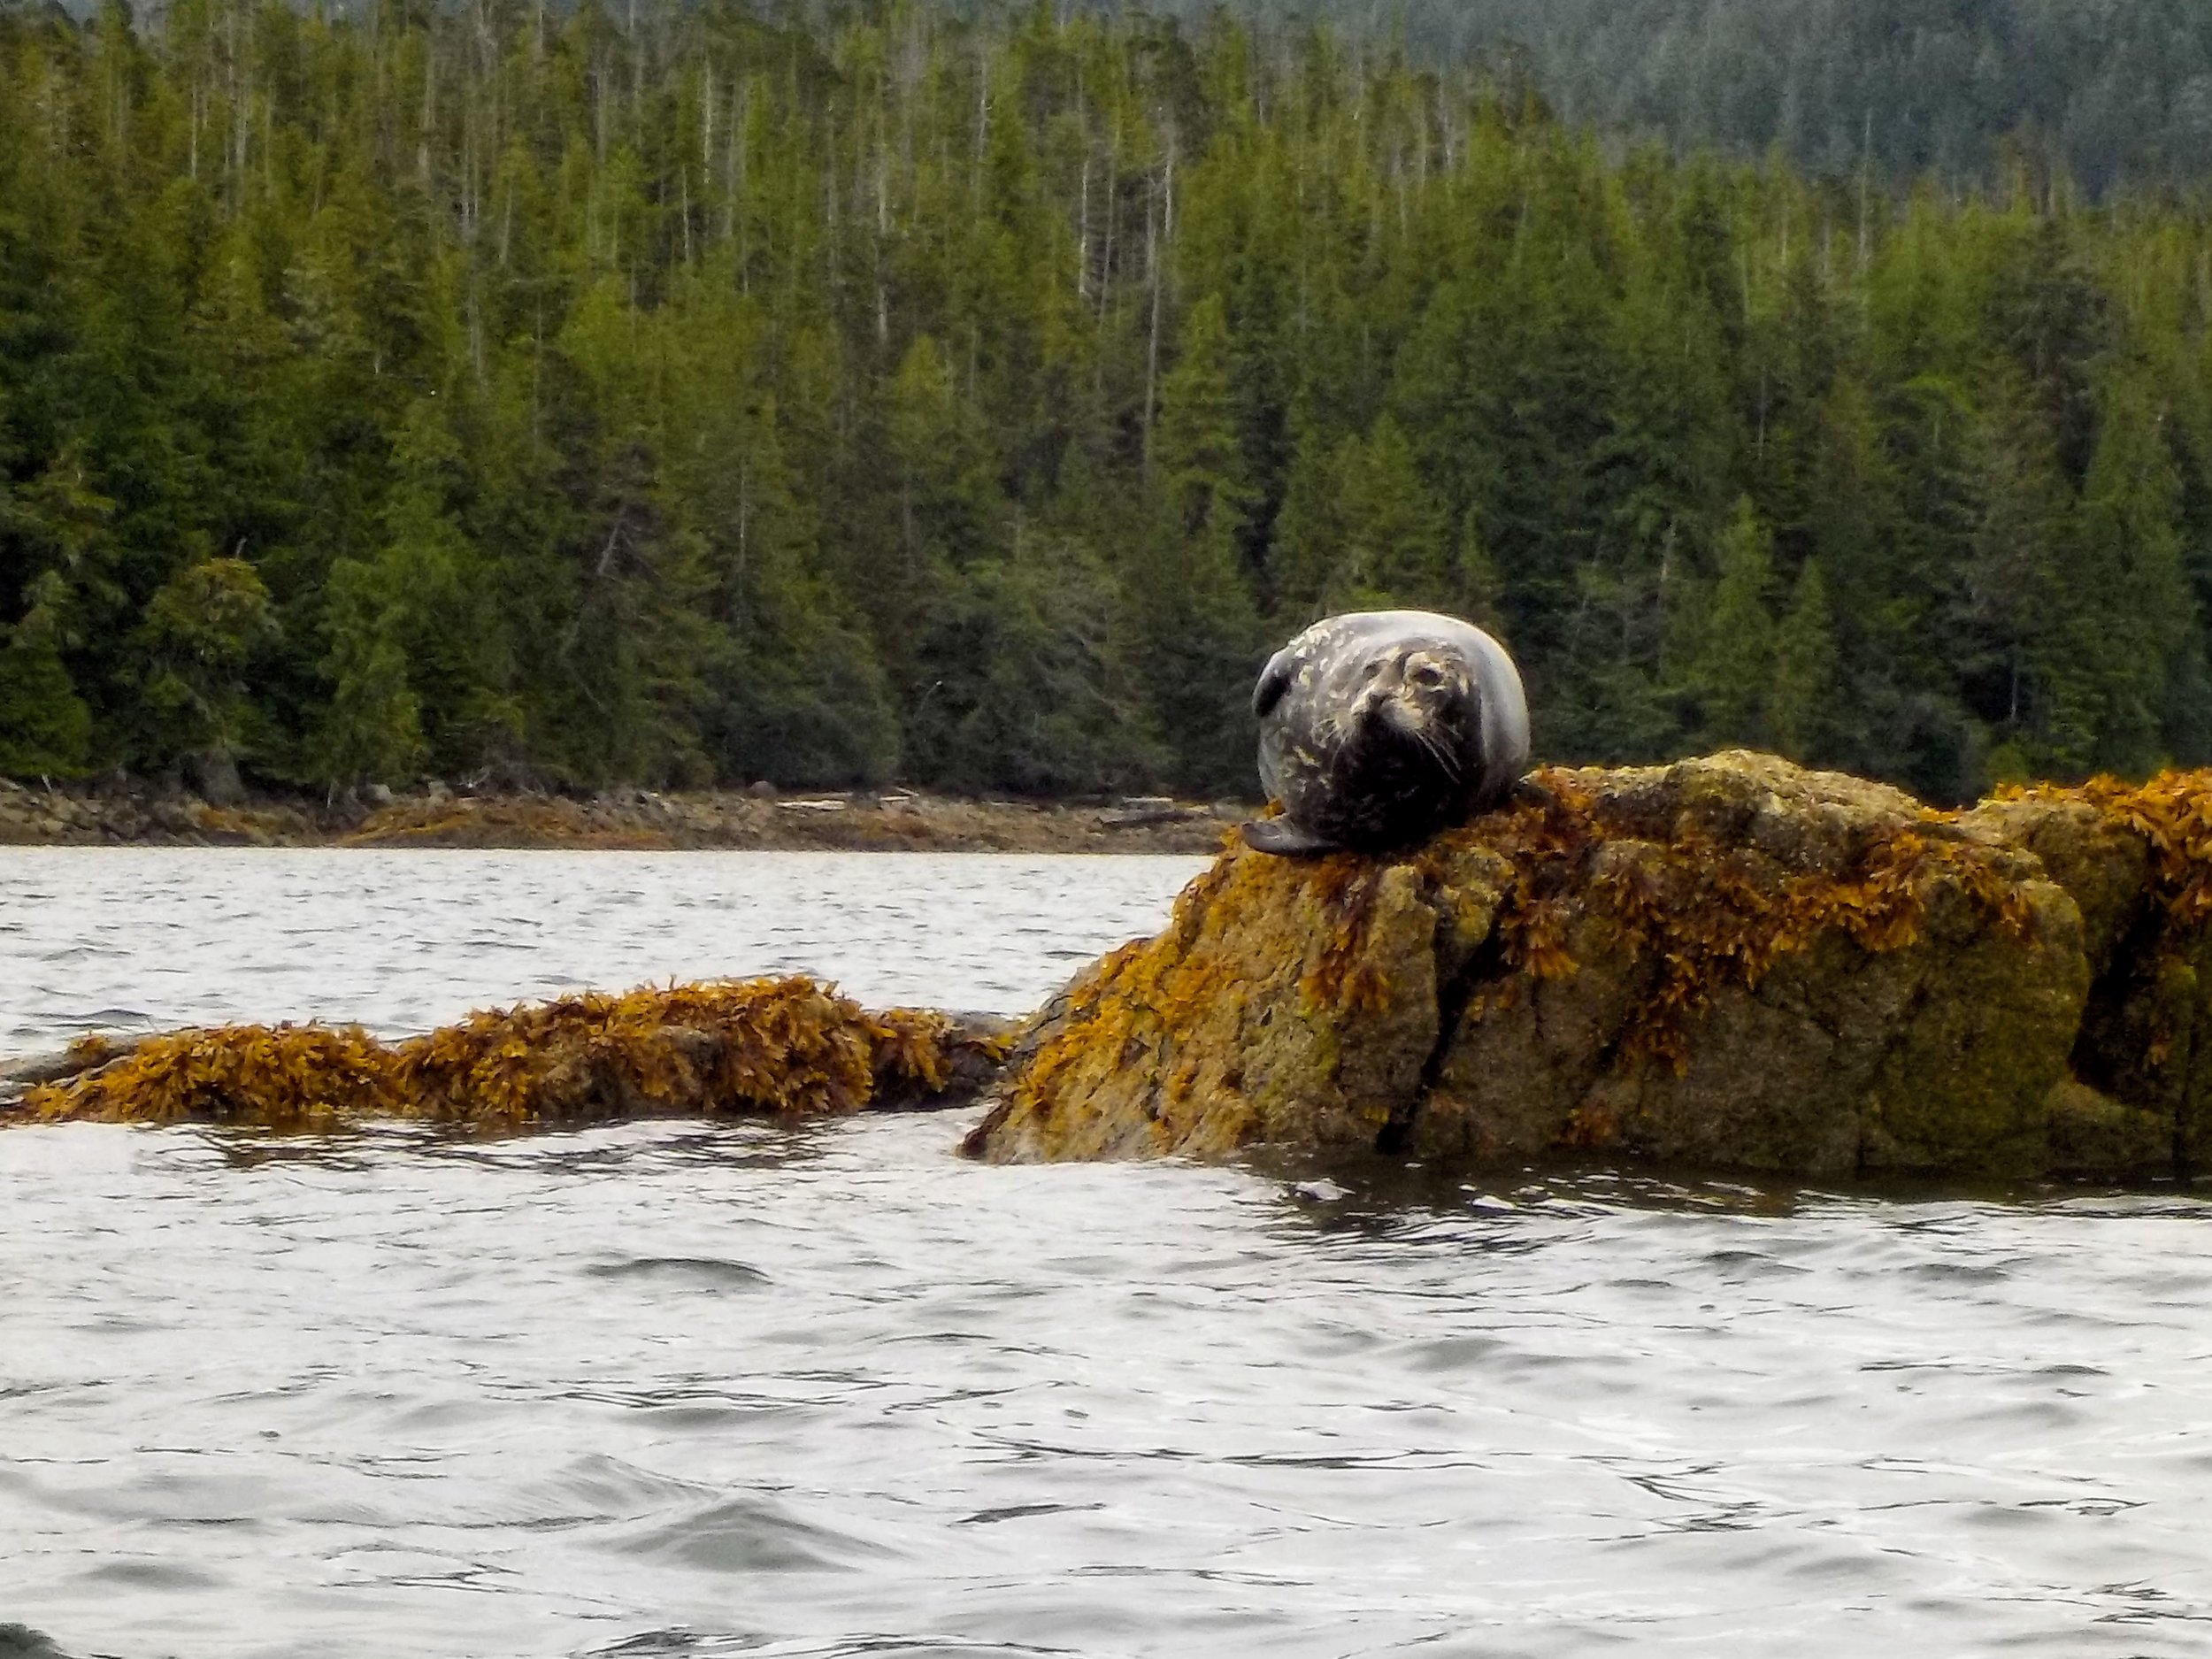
column 2129, row 594
column 1734, row 670
column 45, row 728
column 1477, row 590
column 2031, row 673
column 1197, row 631
column 202, row 631
column 1799, row 719
column 1394, row 550
column 371, row 730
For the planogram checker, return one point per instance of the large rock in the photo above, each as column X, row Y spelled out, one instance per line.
column 1728, row 962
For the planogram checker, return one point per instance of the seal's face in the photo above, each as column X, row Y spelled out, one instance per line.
column 1417, row 691
column 1398, row 759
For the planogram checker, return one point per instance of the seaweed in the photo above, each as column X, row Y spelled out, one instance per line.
column 279, row 1077
column 786, row 1048
column 2171, row 812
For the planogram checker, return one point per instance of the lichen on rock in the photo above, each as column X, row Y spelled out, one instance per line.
column 1732, row 962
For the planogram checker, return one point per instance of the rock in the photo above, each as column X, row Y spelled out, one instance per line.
column 213, row 776
column 761, row 789
column 2138, row 862
column 1729, row 963
column 20, row 1641
column 1138, row 816
column 2092, row 1134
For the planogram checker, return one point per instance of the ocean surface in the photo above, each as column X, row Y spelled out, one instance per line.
column 680, row 1390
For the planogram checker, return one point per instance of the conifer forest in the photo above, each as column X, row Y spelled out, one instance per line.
column 673, row 395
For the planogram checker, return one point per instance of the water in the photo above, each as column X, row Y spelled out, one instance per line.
column 673, row 1390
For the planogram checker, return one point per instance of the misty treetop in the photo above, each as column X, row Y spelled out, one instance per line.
column 667, row 396
column 2119, row 92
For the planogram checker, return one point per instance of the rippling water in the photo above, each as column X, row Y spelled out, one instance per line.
column 668, row 1390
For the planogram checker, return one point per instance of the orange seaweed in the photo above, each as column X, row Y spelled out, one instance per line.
column 788, row 1048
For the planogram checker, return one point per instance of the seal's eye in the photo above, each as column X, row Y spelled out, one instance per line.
column 1427, row 674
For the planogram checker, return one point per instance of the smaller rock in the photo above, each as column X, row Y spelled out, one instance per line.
column 213, row 775
column 2093, row 1137
column 1136, row 816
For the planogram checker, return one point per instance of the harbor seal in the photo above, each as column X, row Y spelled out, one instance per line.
column 1380, row 727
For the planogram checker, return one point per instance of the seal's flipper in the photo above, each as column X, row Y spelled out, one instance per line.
column 1285, row 839
column 1274, row 681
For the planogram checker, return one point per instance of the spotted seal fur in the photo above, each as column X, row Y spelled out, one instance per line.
column 1377, row 728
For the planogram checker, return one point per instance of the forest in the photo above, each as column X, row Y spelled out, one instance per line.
column 671, row 395
column 2119, row 92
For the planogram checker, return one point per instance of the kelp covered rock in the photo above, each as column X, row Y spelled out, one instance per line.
column 785, row 1048
column 1731, row 962
column 2138, row 863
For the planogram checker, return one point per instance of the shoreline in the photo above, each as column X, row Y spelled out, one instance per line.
column 628, row 820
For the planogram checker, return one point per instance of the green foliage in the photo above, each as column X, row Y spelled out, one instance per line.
column 202, row 628
column 2113, row 90
column 683, row 397
column 45, row 728
column 1799, row 721
column 371, row 728
column 1735, row 666
column 1027, row 699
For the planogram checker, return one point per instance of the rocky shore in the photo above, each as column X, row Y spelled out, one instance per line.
column 863, row 821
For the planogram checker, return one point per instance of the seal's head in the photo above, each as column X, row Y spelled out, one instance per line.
column 1379, row 727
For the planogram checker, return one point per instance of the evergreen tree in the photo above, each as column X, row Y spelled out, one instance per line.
column 2129, row 592
column 1196, row 632
column 1799, row 719
column 1734, row 670
column 45, row 728
column 2026, row 668
column 371, row 730
column 1393, row 550
column 202, row 631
